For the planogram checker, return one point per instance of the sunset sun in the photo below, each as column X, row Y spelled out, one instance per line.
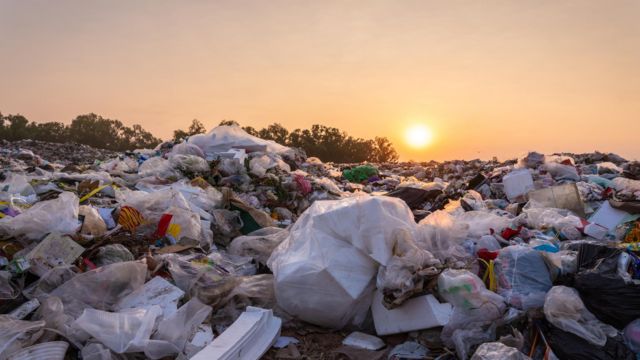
column 418, row 136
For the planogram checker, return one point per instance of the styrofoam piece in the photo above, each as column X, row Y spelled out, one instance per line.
column 363, row 341
column 54, row 250
column 202, row 337
column 248, row 338
column 517, row 184
column 157, row 291
column 53, row 350
column 607, row 216
column 423, row 312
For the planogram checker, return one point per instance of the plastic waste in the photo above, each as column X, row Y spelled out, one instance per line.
column 325, row 269
column 258, row 244
column 157, row 291
column 564, row 309
column 360, row 173
column 17, row 334
column 113, row 253
column 517, row 184
column 497, row 351
column 92, row 222
column 632, row 335
column 248, row 337
column 408, row 350
column 59, row 215
column 363, row 341
column 53, row 350
column 422, row 312
column 522, row 276
column 53, row 251
column 126, row 331
column 442, row 235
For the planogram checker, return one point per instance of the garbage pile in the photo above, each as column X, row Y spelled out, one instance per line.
column 227, row 246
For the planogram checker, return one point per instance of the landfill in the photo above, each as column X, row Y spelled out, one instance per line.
column 228, row 246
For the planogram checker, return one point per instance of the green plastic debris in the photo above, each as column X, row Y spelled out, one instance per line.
column 360, row 173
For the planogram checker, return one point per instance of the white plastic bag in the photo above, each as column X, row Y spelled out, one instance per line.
column 325, row 269
column 565, row 310
column 225, row 138
column 59, row 215
column 16, row 334
column 258, row 244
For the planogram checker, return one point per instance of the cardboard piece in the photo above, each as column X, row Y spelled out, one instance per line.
column 54, row 250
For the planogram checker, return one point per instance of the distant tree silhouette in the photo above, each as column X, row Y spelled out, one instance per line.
column 195, row 128
column 89, row 129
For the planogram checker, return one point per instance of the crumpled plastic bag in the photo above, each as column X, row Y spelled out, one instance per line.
column 564, row 309
column 187, row 149
column 8, row 290
column 325, row 269
column 408, row 272
column 189, row 165
column 224, row 138
column 101, row 288
column 92, row 224
column 258, row 244
column 498, row 351
column 260, row 164
column 158, row 167
column 482, row 222
column 523, row 277
column 442, row 235
column 59, row 215
column 543, row 218
column 474, row 307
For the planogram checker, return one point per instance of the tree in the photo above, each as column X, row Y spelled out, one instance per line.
column 17, row 127
column 383, row 151
column 229, row 123
column 195, row 128
column 275, row 132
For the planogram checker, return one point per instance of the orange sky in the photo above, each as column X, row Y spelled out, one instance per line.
column 489, row 77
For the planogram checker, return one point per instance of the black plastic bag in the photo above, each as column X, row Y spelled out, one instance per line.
column 567, row 346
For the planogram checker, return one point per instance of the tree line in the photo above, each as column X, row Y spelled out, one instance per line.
column 327, row 143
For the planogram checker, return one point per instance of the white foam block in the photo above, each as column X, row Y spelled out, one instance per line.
column 423, row 312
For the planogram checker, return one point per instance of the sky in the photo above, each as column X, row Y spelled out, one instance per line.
column 489, row 78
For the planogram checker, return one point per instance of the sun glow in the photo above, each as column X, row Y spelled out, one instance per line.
column 418, row 136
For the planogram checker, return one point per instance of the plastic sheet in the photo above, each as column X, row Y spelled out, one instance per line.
column 59, row 215
column 564, row 309
column 224, row 138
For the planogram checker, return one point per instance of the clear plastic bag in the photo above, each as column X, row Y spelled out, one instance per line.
column 59, row 215
column 442, row 236
column 189, row 164
column 498, row 351
column 101, row 288
column 564, row 309
column 123, row 332
column 258, row 244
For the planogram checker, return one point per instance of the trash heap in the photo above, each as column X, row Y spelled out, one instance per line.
column 227, row 246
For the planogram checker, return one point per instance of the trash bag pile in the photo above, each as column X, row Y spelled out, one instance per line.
column 227, row 246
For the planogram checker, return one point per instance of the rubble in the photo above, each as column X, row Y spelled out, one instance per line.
column 213, row 247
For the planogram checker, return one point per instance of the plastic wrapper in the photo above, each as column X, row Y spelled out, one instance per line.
column 442, row 235
column 546, row 218
column 113, row 253
column 95, row 351
column 325, row 269
column 92, row 223
column 126, row 331
column 561, row 171
column 59, row 215
column 498, row 351
column 260, row 164
column 258, row 244
column 564, row 309
column 523, row 277
column 48, row 282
